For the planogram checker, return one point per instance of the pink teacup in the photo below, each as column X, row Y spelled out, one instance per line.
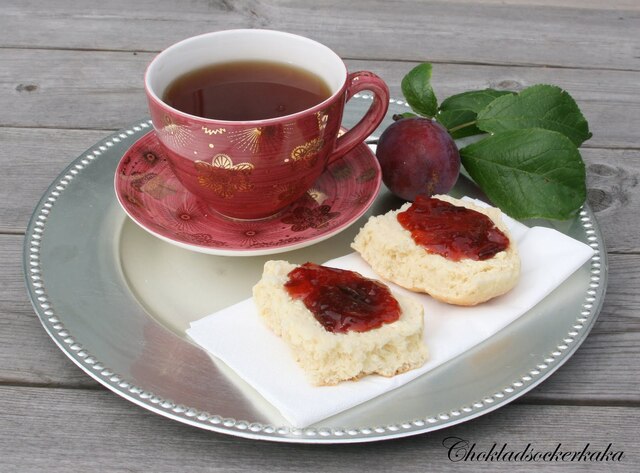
column 253, row 169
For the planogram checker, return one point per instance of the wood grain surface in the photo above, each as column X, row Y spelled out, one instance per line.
column 72, row 71
column 132, row 439
column 107, row 86
column 464, row 32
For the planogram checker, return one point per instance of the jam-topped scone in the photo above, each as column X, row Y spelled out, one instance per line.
column 451, row 249
column 339, row 325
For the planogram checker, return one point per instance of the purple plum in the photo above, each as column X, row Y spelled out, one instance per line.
column 418, row 157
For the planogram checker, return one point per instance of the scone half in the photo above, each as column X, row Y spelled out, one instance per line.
column 392, row 253
column 329, row 358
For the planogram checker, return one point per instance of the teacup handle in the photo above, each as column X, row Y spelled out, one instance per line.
column 358, row 81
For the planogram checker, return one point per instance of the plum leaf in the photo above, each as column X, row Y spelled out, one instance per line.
column 462, row 109
column 416, row 87
column 538, row 106
column 528, row 173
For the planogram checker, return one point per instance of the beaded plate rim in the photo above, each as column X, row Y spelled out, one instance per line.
column 81, row 355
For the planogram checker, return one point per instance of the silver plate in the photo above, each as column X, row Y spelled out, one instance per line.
column 116, row 301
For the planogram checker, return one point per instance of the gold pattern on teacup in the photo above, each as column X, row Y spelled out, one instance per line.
column 323, row 118
column 260, row 139
column 317, row 195
column 223, row 177
column 307, row 154
column 174, row 133
column 214, row 131
column 247, row 139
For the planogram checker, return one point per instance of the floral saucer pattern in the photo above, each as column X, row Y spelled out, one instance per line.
column 151, row 195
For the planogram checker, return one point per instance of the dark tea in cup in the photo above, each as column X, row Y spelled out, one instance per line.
column 246, row 90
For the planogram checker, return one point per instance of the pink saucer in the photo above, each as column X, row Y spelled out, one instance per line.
column 152, row 196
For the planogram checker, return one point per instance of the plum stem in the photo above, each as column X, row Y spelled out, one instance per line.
column 464, row 125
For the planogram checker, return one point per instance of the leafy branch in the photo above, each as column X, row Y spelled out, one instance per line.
column 529, row 164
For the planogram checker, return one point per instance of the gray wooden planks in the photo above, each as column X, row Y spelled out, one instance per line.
column 613, row 177
column 62, row 430
column 103, row 90
column 32, row 159
column 466, row 32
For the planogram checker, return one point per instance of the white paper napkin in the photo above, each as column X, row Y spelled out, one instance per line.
column 237, row 336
